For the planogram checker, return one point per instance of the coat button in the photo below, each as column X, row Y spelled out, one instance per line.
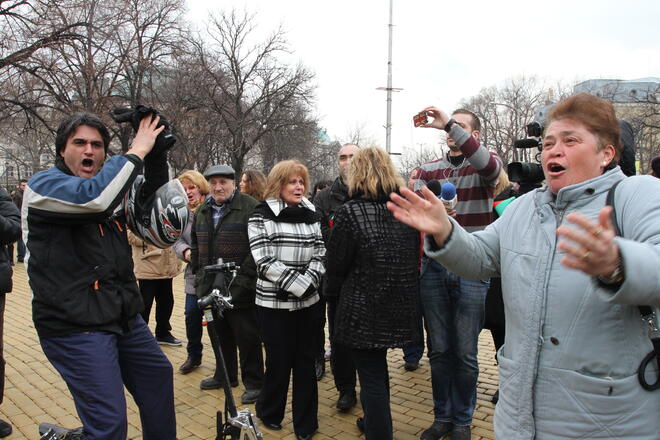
column 554, row 340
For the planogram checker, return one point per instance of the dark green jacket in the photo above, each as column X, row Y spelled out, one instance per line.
column 229, row 241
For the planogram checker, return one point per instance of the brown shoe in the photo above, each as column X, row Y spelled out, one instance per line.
column 189, row 365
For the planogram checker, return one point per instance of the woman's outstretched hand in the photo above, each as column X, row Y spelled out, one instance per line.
column 427, row 214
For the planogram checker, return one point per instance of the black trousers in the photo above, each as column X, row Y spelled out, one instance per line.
column 238, row 328
column 341, row 359
column 289, row 340
column 374, row 392
column 161, row 291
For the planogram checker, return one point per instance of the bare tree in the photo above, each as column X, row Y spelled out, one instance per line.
column 412, row 158
column 505, row 111
column 249, row 89
column 23, row 31
column 148, row 41
column 120, row 56
column 357, row 134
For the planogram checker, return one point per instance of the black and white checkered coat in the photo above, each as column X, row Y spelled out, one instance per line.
column 288, row 248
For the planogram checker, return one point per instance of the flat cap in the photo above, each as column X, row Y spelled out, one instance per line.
column 220, row 170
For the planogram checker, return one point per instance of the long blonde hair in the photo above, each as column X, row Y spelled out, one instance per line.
column 372, row 173
column 279, row 176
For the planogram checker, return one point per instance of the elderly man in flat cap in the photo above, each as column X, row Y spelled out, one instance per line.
column 220, row 231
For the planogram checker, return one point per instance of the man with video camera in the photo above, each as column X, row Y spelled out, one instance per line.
column 86, row 301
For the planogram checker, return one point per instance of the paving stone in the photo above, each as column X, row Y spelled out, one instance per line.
column 35, row 392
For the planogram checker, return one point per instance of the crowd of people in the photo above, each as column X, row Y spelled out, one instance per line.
column 554, row 274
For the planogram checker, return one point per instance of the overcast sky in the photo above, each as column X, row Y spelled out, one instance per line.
column 444, row 51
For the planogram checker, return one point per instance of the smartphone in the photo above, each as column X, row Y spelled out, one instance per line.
column 420, row 119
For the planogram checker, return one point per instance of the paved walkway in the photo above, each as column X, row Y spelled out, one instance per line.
column 35, row 393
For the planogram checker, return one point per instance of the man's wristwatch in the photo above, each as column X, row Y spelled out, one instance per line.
column 450, row 122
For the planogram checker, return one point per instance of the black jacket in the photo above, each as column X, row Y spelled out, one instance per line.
column 327, row 202
column 78, row 258
column 372, row 268
column 10, row 231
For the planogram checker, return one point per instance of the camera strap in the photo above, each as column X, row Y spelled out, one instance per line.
column 648, row 315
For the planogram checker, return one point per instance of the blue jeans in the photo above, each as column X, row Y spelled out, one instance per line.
column 454, row 313
column 193, row 328
column 97, row 365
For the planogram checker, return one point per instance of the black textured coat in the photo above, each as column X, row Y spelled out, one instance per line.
column 372, row 268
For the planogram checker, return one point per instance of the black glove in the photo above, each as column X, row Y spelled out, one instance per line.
column 165, row 139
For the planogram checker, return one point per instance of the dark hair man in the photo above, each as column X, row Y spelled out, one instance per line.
column 328, row 201
column 86, row 301
column 10, row 230
column 453, row 306
column 220, row 231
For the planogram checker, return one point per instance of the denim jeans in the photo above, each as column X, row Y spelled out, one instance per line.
column 454, row 313
column 374, row 392
column 96, row 366
column 193, row 328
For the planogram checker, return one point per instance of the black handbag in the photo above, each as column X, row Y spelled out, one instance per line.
column 648, row 316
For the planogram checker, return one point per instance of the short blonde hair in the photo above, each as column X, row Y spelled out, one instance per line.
column 372, row 173
column 280, row 174
column 197, row 179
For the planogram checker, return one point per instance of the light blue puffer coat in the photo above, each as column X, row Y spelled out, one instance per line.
column 569, row 363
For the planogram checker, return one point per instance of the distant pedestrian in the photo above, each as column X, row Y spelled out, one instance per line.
column 286, row 242
column 197, row 188
column 372, row 272
column 220, row 230
column 17, row 197
column 155, row 269
column 253, row 183
column 327, row 203
column 10, row 230
column 655, row 166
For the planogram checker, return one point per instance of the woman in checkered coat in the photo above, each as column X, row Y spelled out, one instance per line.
column 286, row 242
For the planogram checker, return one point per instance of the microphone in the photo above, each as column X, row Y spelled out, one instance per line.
column 448, row 195
column 435, row 186
column 526, row 143
column 445, row 192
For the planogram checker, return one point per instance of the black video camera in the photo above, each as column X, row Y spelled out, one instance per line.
column 165, row 139
column 528, row 173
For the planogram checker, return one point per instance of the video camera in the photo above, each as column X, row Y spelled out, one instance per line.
column 165, row 139
column 528, row 173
